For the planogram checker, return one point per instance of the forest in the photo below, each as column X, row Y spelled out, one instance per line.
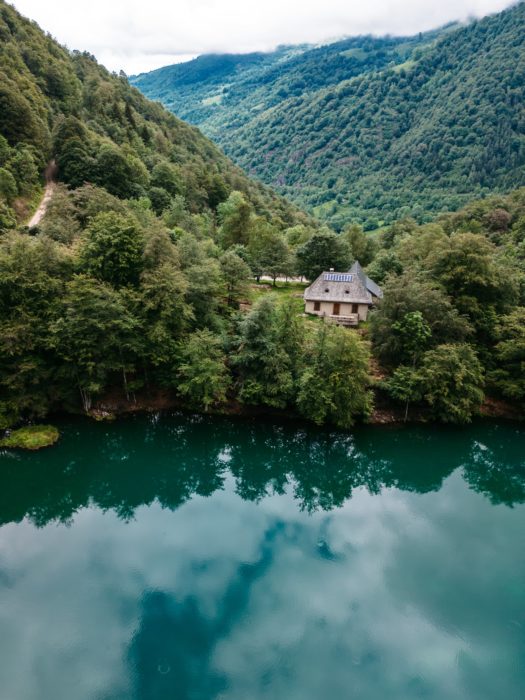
column 64, row 105
column 144, row 274
column 370, row 130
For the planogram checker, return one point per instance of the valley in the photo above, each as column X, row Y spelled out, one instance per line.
column 369, row 130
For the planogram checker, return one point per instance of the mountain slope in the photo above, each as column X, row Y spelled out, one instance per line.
column 221, row 91
column 64, row 105
column 439, row 125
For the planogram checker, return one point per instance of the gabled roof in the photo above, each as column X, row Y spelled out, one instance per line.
column 338, row 287
column 369, row 284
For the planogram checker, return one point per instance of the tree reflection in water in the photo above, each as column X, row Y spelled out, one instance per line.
column 133, row 462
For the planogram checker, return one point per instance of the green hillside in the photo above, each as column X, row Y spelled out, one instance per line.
column 140, row 287
column 218, row 92
column 64, row 105
column 373, row 129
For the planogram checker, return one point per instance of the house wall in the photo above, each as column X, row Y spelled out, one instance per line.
column 327, row 309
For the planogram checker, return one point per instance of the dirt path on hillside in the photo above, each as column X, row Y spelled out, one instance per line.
column 50, row 175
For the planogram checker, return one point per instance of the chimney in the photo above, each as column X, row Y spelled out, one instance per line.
column 331, row 269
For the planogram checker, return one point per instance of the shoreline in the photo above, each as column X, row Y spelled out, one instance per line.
column 385, row 414
column 114, row 406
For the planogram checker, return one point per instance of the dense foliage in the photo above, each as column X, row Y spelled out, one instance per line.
column 61, row 105
column 209, row 89
column 108, row 297
column 141, row 276
column 370, row 130
column 451, row 320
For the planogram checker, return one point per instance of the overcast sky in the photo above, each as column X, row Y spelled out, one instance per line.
column 139, row 35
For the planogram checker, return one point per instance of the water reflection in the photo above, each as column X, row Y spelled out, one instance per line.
column 172, row 652
column 230, row 560
column 131, row 463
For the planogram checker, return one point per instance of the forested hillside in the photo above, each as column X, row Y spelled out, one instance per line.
column 100, row 130
column 143, row 278
column 374, row 129
column 219, row 92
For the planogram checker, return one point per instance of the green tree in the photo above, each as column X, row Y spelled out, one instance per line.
column 218, row 190
column 466, row 267
column 509, row 377
column 121, row 174
column 76, row 164
column 160, row 199
column 385, row 263
column 269, row 253
column 167, row 177
column 478, row 286
column 7, row 218
column 236, row 274
column 19, row 121
column 33, row 272
column 73, row 149
column 404, row 386
column 451, row 381
column 205, row 284
column 362, row 247
column 414, row 334
column 405, row 295
column 297, row 235
column 291, row 335
column 113, row 249
column 24, row 169
column 418, row 247
column 235, row 218
column 94, row 335
column 8, row 187
column 203, row 375
column 264, row 368
column 60, row 222
column 323, row 251
column 334, row 386
column 164, row 315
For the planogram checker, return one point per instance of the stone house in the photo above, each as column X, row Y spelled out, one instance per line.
column 342, row 297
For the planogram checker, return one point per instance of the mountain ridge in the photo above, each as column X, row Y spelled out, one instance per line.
column 422, row 127
column 63, row 104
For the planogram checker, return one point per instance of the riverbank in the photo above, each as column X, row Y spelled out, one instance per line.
column 116, row 405
column 385, row 411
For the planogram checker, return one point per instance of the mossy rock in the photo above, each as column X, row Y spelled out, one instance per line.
column 33, row 437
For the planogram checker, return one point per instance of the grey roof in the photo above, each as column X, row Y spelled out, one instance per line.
column 338, row 286
column 370, row 285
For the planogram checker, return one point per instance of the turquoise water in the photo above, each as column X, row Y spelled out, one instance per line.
column 194, row 558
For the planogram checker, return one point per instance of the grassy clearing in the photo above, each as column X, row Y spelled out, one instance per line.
column 407, row 65
column 209, row 101
column 33, row 437
column 358, row 54
column 283, row 290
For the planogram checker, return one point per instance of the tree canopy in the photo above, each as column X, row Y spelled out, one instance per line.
column 368, row 129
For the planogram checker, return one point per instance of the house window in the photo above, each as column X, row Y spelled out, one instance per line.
column 355, row 308
column 337, row 309
column 317, row 306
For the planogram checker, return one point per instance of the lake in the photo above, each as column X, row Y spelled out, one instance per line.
column 191, row 558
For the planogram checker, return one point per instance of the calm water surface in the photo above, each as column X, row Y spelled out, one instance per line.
column 189, row 558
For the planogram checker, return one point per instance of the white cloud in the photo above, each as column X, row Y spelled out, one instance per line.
column 139, row 36
column 396, row 601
